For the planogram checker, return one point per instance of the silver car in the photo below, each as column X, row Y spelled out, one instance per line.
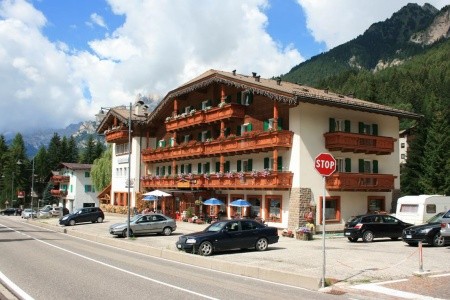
column 145, row 224
column 445, row 225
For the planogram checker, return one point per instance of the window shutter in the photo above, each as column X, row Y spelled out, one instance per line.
column 238, row 98
column 239, row 165
column 266, row 163
column 199, row 137
column 361, row 127
column 208, row 102
column 189, row 168
column 227, row 131
column 249, row 98
column 280, row 163
column 249, row 127
column 227, row 166
column 348, row 165
column 217, row 167
column 163, row 170
column 347, row 125
column 250, row 164
column 208, row 134
column 266, row 125
column 207, row 167
column 332, row 124
column 238, row 130
column 182, row 169
column 375, row 129
column 163, row 143
column 199, row 168
column 375, row 166
column 169, row 170
column 157, row 170
column 280, row 124
column 361, row 165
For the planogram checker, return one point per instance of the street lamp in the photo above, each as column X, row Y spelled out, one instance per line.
column 32, row 189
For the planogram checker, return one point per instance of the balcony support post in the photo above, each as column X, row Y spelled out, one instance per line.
column 174, row 136
column 275, row 115
column 222, row 93
column 275, row 160
column 174, row 167
column 222, row 128
column 222, row 162
column 175, row 107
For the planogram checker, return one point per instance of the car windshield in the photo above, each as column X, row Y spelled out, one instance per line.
column 215, row 227
column 353, row 219
column 435, row 219
column 134, row 218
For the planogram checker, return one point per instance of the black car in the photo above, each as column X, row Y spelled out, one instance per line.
column 227, row 235
column 12, row 211
column 373, row 226
column 85, row 214
column 429, row 233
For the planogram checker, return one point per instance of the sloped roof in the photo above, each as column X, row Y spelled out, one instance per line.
column 281, row 91
column 122, row 113
column 75, row 166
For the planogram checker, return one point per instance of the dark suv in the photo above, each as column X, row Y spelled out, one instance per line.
column 85, row 214
column 373, row 226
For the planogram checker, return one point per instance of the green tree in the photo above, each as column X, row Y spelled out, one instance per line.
column 73, row 150
column 54, row 152
column 101, row 170
column 89, row 153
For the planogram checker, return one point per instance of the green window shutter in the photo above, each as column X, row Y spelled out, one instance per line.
column 266, row 125
column 182, row 169
column 217, row 167
column 176, row 169
column 348, row 165
column 347, row 125
column 266, row 163
column 207, row 167
column 375, row 166
column 361, row 127
column 280, row 163
column 238, row 130
column 250, row 164
column 227, row 166
column 86, row 189
column 239, row 165
column 332, row 124
column 249, row 127
column 199, row 137
column 157, row 170
column 208, row 102
column 238, row 98
column 163, row 170
column 280, row 124
column 71, row 188
column 199, row 168
column 249, row 98
column 208, row 134
column 164, row 144
column 227, row 131
column 375, row 129
column 361, row 165
column 169, row 170
column 189, row 168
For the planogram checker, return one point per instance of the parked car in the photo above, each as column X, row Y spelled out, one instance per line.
column 85, row 214
column 12, row 211
column 445, row 225
column 56, row 211
column 429, row 233
column 372, row 226
column 227, row 235
column 145, row 224
column 28, row 212
column 44, row 213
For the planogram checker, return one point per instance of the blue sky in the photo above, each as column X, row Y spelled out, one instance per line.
column 61, row 60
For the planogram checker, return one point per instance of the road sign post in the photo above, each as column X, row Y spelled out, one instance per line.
column 325, row 164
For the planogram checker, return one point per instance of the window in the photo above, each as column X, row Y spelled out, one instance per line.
column 187, row 109
column 88, row 188
column 410, row 208
column 402, row 145
column 256, row 205
column 332, row 209
column 343, row 165
column 161, row 143
column 403, row 156
column 122, row 149
column 244, row 165
column 375, row 204
column 431, row 208
column 87, row 174
column 172, row 142
column 64, row 187
column 274, row 208
column 206, row 104
column 248, row 225
column 186, row 138
column 248, row 98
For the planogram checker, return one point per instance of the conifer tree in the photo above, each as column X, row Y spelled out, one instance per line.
column 88, row 155
column 54, row 152
column 73, row 150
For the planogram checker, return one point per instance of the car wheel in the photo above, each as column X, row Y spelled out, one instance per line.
column 368, row 236
column 205, row 248
column 353, row 240
column 125, row 233
column 438, row 240
column 167, row 231
column 261, row 244
column 72, row 222
column 413, row 244
column 99, row 220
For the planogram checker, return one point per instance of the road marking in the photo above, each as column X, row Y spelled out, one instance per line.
column 17, row 290
column 375, row 287
column 440, row 275
column 116, row 268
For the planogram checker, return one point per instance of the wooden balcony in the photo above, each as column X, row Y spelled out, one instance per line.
column 251, row 142
column 360, row 182
column 119, row 135
column 359, row 143
column 58, row 193
column 215, row 114
column 272, row 181
column 60, row 179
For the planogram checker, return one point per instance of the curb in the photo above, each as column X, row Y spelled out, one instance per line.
column 211, row 263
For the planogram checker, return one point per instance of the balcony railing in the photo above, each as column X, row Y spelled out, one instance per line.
column 360, row 182
column 256, row 141
column 58, row 193
column 119, row 135
column 274, row 180
column 358, row 143
column 206, row 116
column 60, row 179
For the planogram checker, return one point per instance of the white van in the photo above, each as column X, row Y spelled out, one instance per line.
column 418, row 209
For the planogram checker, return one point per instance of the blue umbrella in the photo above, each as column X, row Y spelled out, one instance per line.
column 240, row 203
column 150, row 198
column 213, row 201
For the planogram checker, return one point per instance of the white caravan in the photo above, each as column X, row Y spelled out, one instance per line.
column 418, row 209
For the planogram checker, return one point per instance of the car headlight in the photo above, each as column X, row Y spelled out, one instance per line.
column 190, row 241
column 65, row 218
column 425, row 231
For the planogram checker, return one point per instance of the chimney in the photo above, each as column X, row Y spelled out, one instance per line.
column 278, row 81
column 234, row 72
column 257, row 78
column 254, row 74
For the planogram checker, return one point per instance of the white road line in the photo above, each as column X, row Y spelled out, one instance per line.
column 440, row 275
column 375, row 287
column 11, row 285
column 117, row 268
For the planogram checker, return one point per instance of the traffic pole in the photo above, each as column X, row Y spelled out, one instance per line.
column 323, row 232
column 420, row 257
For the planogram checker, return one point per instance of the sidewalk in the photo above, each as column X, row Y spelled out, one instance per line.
column 290, row 261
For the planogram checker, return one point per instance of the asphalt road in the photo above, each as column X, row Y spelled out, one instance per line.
column 50, row 265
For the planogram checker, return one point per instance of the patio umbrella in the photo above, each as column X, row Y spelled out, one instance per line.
column 150, row 198
column 240, row 203
column 213, row 201
column 157, row 193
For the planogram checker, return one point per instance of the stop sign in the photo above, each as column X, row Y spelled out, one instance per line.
column 325, row 164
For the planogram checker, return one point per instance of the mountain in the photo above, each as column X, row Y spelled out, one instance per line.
column 410, row 31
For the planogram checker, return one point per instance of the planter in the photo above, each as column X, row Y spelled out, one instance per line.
column 305, row 236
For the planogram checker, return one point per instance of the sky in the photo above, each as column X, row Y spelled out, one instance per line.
column 61, row 61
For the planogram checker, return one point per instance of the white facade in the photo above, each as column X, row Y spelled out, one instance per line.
column 80, row 190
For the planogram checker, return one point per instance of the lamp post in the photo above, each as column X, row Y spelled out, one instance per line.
column 32, row 189
column 129, row 173
column 12, row 188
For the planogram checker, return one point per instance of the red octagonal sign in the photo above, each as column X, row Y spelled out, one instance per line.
column 325, row 164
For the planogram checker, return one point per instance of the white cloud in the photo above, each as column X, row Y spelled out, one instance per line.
column 98, row 20
column 338, row 21
column 161, row 45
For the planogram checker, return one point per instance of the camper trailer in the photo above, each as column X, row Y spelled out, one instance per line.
column 418, row 209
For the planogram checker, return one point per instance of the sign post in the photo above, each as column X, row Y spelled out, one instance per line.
column 325, row 165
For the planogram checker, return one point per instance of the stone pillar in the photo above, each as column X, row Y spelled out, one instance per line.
column 299, row 204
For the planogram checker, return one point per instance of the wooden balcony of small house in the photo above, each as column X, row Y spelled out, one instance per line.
column 359, row 143
column 117, row 135
column 360, row 182
column 253, row 141
column 58, row 193
column 60, row 179
column 190, row 149
column 270, row 181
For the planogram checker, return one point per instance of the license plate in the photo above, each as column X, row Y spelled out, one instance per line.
column 408, row 236
column 347, row 233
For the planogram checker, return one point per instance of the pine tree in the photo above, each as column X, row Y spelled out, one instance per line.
column 73, row 151
column 88, row 155
column 54, row 152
